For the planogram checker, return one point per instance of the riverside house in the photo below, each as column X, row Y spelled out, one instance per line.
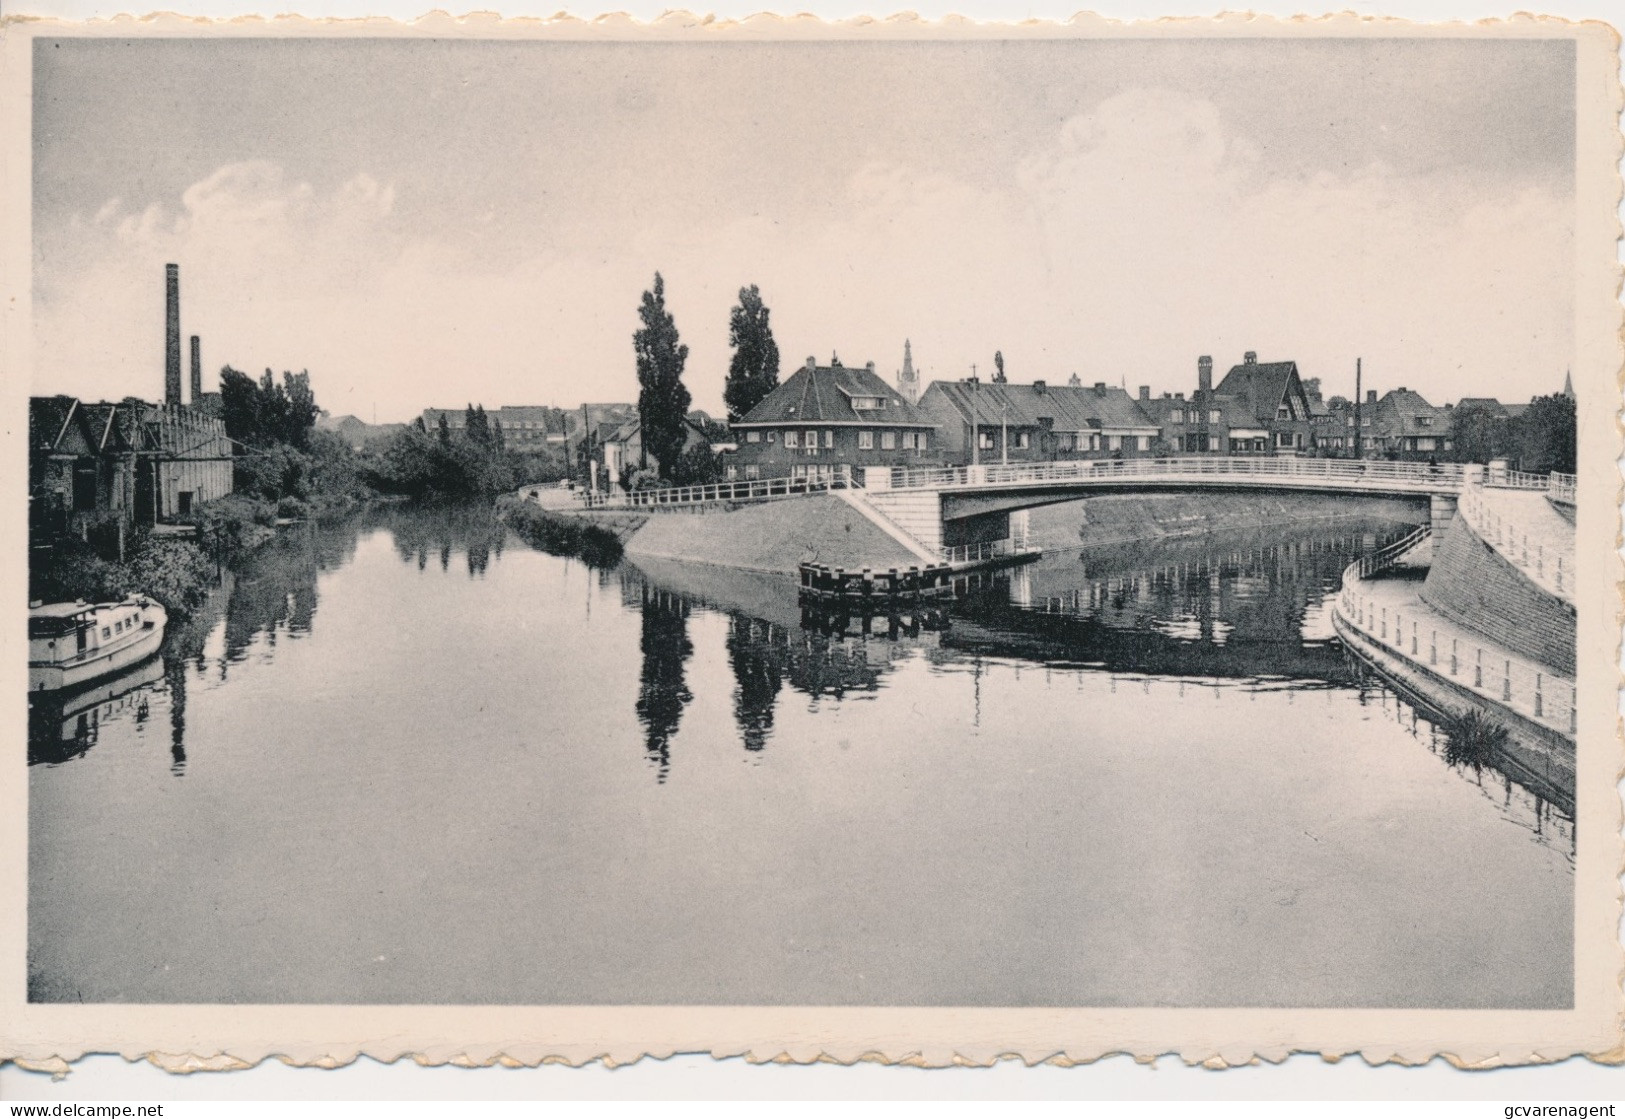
column 1405, row 426
column 828, row 416
column 994, row 422
column 1265, row 407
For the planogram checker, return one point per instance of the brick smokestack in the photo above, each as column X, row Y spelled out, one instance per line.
column 1204, row 374
column 172, row 334
column 197, row 373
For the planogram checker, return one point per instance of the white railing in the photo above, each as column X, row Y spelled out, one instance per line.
column 1548, row 563
column 1386, row 557
column 1421, row 637
column 1561, row 488
column 1420, row 476
column 761, row 489
column 980, row 553
column 1498, row 479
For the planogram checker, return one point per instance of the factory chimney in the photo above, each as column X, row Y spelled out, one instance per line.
column 172, row 334
column 197, row 373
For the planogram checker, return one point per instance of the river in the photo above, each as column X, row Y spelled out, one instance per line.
column 411, row 759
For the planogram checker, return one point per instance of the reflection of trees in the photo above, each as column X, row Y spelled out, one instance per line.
column 757, row 673
column 662, row 690
column 442, row 531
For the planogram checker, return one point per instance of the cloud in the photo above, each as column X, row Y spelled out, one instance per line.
column 1143, row 233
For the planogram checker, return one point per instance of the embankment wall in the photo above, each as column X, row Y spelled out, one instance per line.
column 1478, row 589
column 1123, row 518
column 774, row 536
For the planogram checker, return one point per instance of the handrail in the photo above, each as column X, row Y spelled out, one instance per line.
column 1386, row 557
column 752, row 490
column 1426, row 640
column 1547, row 563
column 1561, row 488
column 1427, row 477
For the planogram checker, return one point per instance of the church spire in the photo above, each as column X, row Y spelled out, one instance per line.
column 908, row 382
column 1568, row 383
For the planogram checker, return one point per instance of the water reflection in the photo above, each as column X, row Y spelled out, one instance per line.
column 662, row 692
column 64, row 727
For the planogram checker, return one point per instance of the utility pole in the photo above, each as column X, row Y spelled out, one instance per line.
column 1004, row 433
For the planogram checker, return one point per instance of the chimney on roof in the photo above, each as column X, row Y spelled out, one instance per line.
column 1370, row 396
column 1250, row 357
column 1038, row 387
column 1100, row 388
column 812, row 363
column 1145, row 392
column 197, row 373
column 1204, row 374
column 870, row 367
column 172, row 334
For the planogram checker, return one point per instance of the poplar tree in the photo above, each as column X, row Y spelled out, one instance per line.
column 754, row 370
column 663, row 399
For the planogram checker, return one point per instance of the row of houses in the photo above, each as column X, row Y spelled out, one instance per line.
column 826, row 416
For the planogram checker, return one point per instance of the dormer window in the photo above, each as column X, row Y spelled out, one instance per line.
column 867, row 403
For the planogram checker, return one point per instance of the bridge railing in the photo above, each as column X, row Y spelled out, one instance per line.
column 1548, row 563
column 760, row 489
column 985, row 551
column 1561, row 488
column 1386, row 557
column 1498, row 479
column 1354, row 474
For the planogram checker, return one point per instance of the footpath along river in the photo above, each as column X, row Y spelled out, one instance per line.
column 412, row 759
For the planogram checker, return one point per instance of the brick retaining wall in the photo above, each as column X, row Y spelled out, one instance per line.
column 1473, row 585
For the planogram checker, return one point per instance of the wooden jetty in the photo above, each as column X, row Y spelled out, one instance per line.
column 877, row 589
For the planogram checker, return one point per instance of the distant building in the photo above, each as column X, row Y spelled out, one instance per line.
column 127, row 463
column 1404, row 425
column 997, row 422
column 826, row 416
column 908, row 381
column 622, row 448
column 1266, row 410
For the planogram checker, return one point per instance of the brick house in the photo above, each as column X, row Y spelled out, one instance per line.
column 995, row 422
column 826, row 416
column 1405, row 426
column 1266, row 410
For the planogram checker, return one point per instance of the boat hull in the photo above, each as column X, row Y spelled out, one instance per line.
column 77, row 673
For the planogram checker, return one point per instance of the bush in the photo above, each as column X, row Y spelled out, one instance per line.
column 74, row 572
column 560, row 535
column 174, row 572
column 293, row 508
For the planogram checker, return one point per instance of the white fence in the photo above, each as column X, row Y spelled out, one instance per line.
column 1561, row 488
column 757, row 490
column 985, row 551
column 1418, row 635
column 1548, row 563
column 1342, row 473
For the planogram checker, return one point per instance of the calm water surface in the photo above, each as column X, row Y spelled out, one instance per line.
column 411, row 759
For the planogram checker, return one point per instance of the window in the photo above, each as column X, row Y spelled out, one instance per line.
column 1063, row 443
column 1142, row 442
column 1214, row 416
column 921, row 443
column 753, row 471
column 1283, row 413
column 730, row 472
column 1114, row 442
column 1024, row 439
column 1212, row 442
column 984, row 439
column 908, row 440
column 1424, row 421
column 812, row 442
column 829, row 440
column 772, row 436
column 1177, row 416
column 866, row 440
column 867, row 402
column 753, row 437
column 888, row 440
column 791, row 439
column 106, row 633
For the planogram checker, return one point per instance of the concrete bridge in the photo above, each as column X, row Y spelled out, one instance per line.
column 962, row 509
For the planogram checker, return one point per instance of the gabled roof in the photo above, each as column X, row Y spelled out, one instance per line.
column 1407, row 406
column 1263, row 385
column 1066, row 407
column 823, row 395
column 48, row 420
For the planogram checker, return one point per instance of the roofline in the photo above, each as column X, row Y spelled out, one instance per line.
column 832, row 423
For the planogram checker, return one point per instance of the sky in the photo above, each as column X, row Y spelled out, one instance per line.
column 429, row 223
